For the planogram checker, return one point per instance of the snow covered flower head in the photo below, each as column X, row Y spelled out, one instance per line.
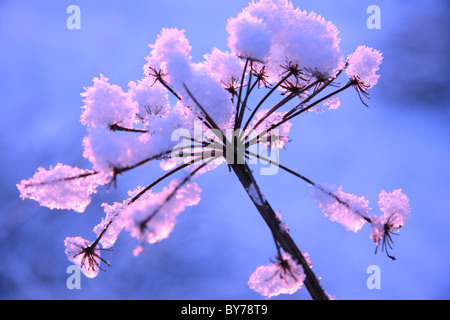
column 363, row 65
column 395, row 208
column 193, row 117
column 277, row 33
column 249, row 37
column 282, row 276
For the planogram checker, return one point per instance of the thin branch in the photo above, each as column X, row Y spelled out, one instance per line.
column 264, row 99
column 79, row 176
column 175, row 190
column 168, row 174
column 205, row 144
column 158, row 75
column 316, row 92
column 116, row 127
column 287, row 118
column 348, row 85
column 282, row 167
column 237, row 114
column 277, row 106
column 119, row 170
column 249, row 90
column 205, row 114
column 207, row 117
column 309, row 181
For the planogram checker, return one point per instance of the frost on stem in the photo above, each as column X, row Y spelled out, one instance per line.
column 113, row 223
column 106, row 104
column 108, row 151
column 282, row 276
column 152, row 217
column 62, row 187
column 148, row 216
column 283, row 226
column 347, row 209
column 255, row 195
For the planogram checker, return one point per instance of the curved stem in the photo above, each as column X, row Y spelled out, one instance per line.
column 247, row 180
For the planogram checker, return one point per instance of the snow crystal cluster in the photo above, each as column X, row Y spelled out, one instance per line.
column 275, row 32
column 107, row 104
column 62, row 187
column 164, row 207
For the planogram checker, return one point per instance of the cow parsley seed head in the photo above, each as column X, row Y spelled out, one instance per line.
column 395, row 208
column 151, row 98
column 85, row 255
column 107, row 104
column 363, row 65
column 194, row 116
column 282, row 276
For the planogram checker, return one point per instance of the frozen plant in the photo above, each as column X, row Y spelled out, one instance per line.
column 287, row 54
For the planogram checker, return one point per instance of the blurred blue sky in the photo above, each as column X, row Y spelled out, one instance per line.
column 401, row 141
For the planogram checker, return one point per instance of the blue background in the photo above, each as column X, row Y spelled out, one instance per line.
column 401, row 141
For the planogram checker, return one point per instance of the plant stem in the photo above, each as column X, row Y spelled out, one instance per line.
column 311, row 282
column 264, row 99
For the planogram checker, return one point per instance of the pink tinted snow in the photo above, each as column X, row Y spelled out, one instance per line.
column 270, row 280
column 62, row 187
column 395, row 210
column 107, row 104
column 298, row 37
column 349, row 210
column 163, row 212
column 88, row 264
column 363, row 64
